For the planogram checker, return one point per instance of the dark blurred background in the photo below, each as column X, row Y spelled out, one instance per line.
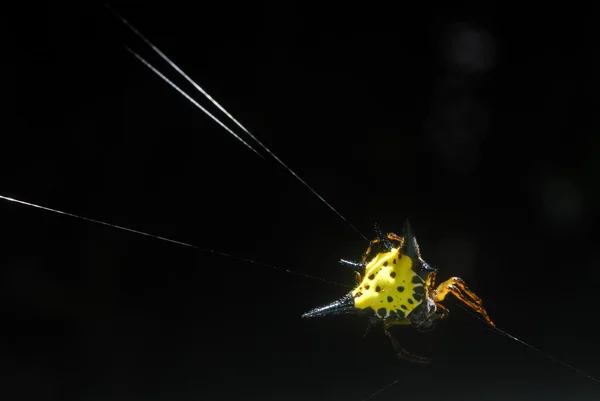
column 474, row 122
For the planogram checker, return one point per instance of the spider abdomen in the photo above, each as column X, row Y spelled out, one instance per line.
column 390, row 286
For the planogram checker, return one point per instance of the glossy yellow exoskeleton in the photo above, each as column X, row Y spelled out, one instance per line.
column 398, row 288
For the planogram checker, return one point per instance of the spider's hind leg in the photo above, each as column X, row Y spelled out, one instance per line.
column 441, row 312
column 401, row 352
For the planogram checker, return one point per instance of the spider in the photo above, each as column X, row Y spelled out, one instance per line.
column 398, row 288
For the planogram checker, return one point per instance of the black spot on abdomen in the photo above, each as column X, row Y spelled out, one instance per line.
column 418, row 293
column 381, row 312
column 400, row 289
column 390, row 299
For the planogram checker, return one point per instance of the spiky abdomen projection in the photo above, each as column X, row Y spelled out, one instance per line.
column 390, row 289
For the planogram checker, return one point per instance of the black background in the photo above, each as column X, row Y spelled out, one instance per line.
column 473, row 122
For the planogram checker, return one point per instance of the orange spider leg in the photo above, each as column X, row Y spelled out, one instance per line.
column 445, row 311
column 394, row 237
column 368, row 251
column 430, row 285
column 456, row 286
column 390, row 236
column 430, row 280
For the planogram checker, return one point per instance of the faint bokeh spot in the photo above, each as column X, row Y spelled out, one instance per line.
column 469, row 49
column 561, row 200
column 460, row 117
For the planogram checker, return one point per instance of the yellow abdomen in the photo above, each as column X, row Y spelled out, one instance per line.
column 390, row 286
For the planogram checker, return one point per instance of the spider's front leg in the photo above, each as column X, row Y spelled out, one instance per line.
column 457, row 287
column 401, row 352
column 368, row 251
column 389, row 236
column 430, row 285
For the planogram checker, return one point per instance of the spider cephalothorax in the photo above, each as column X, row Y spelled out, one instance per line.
column 398, row 287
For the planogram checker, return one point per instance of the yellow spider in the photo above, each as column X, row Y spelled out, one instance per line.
column 398, row 287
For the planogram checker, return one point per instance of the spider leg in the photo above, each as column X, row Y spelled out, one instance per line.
column 445, row 311
column 456, row 286
column 395, row 237
column 368, row 251
column 401, row 352
column 430, row 280
column 390, row 236
column 430, row 285
column 440, row 313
